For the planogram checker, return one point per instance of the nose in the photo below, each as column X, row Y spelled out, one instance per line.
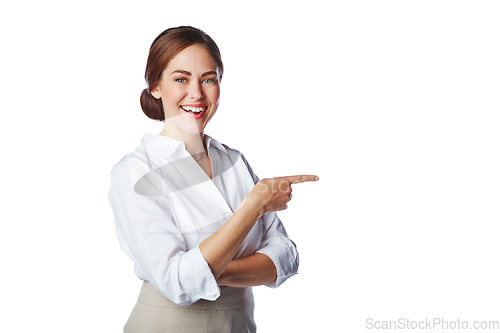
column 195, row 91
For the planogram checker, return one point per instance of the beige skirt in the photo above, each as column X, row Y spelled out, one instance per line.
column 232, row 312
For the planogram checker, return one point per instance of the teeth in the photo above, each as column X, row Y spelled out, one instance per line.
column 193, row 109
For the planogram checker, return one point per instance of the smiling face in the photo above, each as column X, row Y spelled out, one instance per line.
column 189, row 88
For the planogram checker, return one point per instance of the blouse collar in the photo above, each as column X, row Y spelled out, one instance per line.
column 167, row 146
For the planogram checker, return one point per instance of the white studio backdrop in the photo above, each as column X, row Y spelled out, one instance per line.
column 393, row 104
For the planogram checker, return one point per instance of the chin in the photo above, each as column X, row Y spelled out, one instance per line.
column 186, row 125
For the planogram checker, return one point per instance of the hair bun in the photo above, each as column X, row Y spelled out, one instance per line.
column 151, row 106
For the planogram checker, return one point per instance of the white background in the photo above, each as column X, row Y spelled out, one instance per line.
column 393, row 104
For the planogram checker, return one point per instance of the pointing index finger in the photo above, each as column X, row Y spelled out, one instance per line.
column 301, row 178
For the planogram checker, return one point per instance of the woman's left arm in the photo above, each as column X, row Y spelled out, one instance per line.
column 272, row 264
column 255, row 270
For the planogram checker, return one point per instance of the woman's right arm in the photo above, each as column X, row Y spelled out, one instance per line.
column 269, row 194
column 148, row 235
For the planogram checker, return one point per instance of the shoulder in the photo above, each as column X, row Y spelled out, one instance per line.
column 239, row 160
column 236, row 156
column 236, row 153
column 224, row 150
column 135, row 162
column 230, row 151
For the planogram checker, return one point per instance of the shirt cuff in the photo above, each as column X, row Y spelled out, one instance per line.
column 197, row 277
column 283, row 252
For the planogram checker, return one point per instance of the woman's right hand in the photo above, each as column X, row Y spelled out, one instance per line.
column 272, row 194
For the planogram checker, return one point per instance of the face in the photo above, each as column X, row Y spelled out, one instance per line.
column 189, row 88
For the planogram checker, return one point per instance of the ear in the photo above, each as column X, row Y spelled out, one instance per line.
column 219, row 74
column 155, row 91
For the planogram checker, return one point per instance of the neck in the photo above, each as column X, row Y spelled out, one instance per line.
column 195, row 143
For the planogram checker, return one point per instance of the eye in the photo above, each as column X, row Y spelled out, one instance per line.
column 181, row 80
column 208, row 81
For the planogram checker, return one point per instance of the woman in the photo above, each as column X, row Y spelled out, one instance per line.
column 199, row 225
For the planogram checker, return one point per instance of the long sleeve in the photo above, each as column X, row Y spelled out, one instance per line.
column 276, row 244
column 147, row 233
column 281, row 249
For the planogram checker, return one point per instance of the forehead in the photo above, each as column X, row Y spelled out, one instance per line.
column 192, row 58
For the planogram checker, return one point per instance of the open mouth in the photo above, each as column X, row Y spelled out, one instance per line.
column 195, row 112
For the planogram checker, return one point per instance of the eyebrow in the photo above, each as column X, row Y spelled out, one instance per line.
column 181, row 71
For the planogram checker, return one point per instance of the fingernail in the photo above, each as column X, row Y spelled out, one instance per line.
column 316, row 178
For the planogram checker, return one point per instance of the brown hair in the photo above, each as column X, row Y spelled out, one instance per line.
column 164, row 48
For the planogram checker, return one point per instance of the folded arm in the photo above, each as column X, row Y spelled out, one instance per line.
column 255, row 270
column 271, row 265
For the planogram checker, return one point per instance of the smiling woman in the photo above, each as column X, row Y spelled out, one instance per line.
column 199, row 225
column 163, row 50
column 189, row 86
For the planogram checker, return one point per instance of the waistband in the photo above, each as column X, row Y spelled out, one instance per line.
column 229, row 298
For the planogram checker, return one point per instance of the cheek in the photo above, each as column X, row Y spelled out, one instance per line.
column 173, row 95
column 213, row 94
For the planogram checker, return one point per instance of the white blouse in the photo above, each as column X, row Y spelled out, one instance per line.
column 165, row 205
